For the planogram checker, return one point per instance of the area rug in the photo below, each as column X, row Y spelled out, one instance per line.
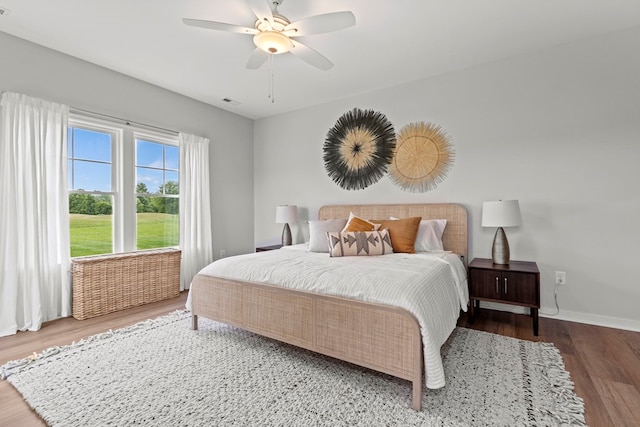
column 162, row 373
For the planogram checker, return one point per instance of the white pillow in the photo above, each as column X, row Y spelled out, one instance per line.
column 429, row 236
column 318, row 230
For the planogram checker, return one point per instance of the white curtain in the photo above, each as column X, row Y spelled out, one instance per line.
column 34, row 215
column 195, row 207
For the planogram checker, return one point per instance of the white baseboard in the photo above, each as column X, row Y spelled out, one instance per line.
column 596, row 319
column 570, row 316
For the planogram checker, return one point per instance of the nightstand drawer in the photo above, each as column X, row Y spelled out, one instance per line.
column 518, row 288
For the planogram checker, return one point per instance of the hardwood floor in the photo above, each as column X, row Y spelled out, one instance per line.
column 604, row 363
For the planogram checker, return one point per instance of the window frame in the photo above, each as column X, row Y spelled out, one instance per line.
column 123, row 173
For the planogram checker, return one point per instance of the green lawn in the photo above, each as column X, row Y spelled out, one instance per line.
column 92, row 234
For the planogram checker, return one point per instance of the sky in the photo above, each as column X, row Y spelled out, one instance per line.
column 90, row 161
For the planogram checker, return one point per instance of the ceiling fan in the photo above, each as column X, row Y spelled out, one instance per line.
column 273, row 33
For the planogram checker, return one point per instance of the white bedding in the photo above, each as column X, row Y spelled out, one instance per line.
column 430, row 285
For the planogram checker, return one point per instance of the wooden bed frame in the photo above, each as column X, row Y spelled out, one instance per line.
column 379, row 337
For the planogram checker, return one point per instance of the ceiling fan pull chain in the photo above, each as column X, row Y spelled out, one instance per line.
column 271, row 94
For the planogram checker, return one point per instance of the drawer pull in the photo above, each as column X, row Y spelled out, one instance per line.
column 505, row 285
column 497, row 286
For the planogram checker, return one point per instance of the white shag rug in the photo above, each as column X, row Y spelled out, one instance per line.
column 162, row 373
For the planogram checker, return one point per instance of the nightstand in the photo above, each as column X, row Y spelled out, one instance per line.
column 516, row 283
column 268, row 248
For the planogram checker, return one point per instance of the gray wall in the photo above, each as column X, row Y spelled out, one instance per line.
column 40, row 72
column 557, row 130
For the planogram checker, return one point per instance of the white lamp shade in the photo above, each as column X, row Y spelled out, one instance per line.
column 286, row 214
column 501, row 213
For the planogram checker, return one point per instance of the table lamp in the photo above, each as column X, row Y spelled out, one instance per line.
column 284, row 215
column 501, row 213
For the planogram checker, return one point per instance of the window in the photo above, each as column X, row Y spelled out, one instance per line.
column 157, row 192
column 90, row 154
column 123, row 188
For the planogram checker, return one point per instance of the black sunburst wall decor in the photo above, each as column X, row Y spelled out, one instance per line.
column 358, row 148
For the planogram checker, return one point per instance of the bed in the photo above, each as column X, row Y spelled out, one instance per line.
column 357, row 328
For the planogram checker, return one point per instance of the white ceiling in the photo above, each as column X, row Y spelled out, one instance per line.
column 392, row 42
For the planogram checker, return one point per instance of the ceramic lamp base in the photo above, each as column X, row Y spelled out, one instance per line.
column 286, row 235
column 500, row 250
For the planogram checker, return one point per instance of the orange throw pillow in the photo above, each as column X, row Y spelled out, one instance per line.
column 358, row 224
column 403, row 233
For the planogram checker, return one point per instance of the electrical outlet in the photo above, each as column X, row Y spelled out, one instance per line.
column 223, row 253
column 561, row 278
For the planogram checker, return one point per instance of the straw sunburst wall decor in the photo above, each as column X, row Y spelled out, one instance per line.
column 358, row 149
column 422, row 158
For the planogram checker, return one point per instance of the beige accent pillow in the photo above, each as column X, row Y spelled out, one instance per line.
column 318, row 230
column 403, row 233
column 358, row 224
column 357, row 243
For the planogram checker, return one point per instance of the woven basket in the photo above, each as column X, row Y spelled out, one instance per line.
column 106, row 283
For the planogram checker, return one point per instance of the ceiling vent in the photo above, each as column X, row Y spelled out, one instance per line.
column 231, row 101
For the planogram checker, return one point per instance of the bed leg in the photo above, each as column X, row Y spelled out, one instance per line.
column 418, row 371
column 194, row 322
column 417, row 395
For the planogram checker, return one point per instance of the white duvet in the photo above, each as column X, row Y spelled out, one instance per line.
column 430, row 285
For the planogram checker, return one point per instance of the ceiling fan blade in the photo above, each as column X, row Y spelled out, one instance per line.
column 310, row 56
column 319, row 24
column 221, row 26
column 262, row 10
column 257, row 58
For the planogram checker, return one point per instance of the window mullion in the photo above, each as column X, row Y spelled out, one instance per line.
column 127, row 189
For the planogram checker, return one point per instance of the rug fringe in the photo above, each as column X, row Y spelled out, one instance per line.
column 568, row 408
column 16, row 366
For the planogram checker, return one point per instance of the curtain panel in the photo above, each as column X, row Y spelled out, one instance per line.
column 195, row 207
column 34, row 214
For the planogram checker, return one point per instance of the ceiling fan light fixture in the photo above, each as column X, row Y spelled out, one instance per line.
column 272, row 42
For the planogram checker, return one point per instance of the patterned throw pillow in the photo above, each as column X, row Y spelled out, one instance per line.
column 357, row 243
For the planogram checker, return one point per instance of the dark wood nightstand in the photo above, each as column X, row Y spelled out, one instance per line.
column 268, row 248
column 516, row 283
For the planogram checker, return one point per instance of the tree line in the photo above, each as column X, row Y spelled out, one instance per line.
column 91, row 204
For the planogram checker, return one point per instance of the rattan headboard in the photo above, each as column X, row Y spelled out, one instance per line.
column 455, row 234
